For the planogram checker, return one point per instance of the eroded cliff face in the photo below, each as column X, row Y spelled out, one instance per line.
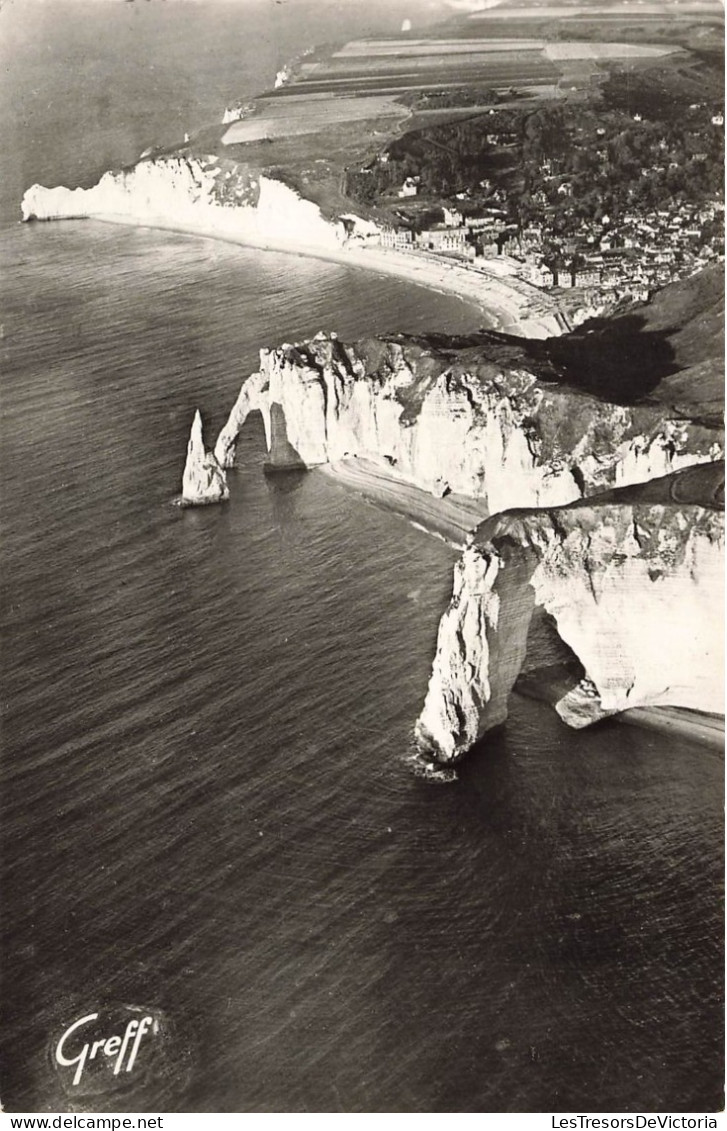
column 210, row 193
column 253, row 397
column 203, row 480
column 634, row 582
column 472, row 419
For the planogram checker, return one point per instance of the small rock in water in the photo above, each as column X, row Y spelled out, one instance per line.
column 203, row 481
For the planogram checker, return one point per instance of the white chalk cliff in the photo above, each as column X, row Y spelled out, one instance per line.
column 474, row 420
column 634, row 580
column 203, row 480
column 206, row 194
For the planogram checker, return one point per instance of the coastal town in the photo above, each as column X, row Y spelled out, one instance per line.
column 570, row 170
column 631, row 206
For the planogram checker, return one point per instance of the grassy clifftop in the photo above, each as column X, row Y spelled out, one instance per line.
column 670, row 350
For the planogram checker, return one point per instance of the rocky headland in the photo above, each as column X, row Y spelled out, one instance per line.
column 633, row 580
column 188, row 192
column 598, row 456
column 511, row 423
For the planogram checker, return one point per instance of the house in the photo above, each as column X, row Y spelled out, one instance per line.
column 610, row 274
column 479, row 223
column 539, row 274
column 410, row 187
column 533, row 234
column 510, row 244
column 562, row 276
column 453, row 218
column 586, row 277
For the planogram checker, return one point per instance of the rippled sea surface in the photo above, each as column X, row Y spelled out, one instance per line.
column 208, row 808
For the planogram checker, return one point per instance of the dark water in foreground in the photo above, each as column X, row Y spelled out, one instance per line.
column 207, row 809
column 207, row 805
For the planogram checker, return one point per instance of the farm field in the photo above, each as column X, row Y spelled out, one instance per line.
column 499, row 74
column 397, row 58
column 412, row 47
column 342, row 105
column 565, row 50
column 418, row 65
column 653, row 22
column 363, row 80
column 591, row 11
column 392, row 66
column 310, row 117
column 309, row 104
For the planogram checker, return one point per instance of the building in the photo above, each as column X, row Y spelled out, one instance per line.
column 586, row 277
column 533, row 234
column 539, row 275
column 511, row 246
column 400, row 239
column 443, row 239
column 562, row 277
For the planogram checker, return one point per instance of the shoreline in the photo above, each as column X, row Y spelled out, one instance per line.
column 500, row 302
column 450, row 518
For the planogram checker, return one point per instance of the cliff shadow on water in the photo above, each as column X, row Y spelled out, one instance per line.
column 283, row 457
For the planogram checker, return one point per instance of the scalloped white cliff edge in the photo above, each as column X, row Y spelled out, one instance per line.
column 185, row 191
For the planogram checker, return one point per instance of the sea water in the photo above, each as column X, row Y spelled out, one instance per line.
column 209, row 809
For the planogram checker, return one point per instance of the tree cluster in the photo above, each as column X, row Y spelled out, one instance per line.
column 575, row 163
